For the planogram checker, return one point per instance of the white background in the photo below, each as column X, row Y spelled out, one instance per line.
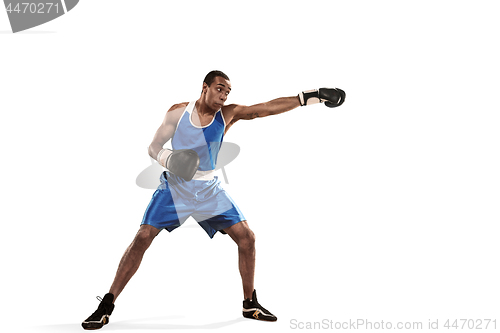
column 385, row 208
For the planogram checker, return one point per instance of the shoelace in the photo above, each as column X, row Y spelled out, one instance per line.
column 99, row 312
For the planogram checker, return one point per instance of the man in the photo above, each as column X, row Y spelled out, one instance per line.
column 190, row 189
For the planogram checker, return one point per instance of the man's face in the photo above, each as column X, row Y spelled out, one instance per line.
column 216, row 94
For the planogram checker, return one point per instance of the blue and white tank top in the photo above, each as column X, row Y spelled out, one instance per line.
column 205, row 140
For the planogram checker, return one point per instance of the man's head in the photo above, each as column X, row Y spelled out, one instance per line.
column 216, row 88
column 209, row 79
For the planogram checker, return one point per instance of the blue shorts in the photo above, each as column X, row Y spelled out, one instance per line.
column 176, row 200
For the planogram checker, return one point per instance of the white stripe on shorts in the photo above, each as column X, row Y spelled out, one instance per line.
column 204, row 175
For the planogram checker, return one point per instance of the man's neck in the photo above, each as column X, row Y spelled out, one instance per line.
column 202, row 109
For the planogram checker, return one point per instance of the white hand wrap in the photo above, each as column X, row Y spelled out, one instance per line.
column 309, row 97
column 163, row 156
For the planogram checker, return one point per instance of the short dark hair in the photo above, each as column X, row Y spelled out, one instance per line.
column 209, row 79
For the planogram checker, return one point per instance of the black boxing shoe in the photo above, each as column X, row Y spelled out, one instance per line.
column 101, row 316
column 253, row 310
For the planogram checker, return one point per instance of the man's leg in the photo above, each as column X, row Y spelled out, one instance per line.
column 132, row 258
column 129, row 264
column 245, row 239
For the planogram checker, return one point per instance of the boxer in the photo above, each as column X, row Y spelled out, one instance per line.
column 189, row 187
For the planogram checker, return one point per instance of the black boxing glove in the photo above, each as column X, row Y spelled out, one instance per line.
column 332, row 97
column 182, row 162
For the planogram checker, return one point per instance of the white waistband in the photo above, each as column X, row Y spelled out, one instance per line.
column 204, row 175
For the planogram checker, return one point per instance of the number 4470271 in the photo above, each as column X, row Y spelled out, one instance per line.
column 33, row 8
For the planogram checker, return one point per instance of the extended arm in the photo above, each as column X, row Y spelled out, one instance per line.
column 332, row 97
column 276, row 106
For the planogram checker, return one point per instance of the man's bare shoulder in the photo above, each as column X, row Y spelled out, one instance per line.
column 231, row 113
column 173, row 114
column 180, row 106
column 231, row 108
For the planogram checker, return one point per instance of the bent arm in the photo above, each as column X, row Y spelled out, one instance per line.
column 166, row 130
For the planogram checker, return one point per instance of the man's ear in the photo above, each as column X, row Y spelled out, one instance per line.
column 204, row 88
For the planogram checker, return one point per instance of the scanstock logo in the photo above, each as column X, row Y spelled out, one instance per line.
column 26, row 14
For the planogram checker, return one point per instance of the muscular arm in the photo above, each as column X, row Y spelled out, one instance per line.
column 166, row 130
column 234, row 112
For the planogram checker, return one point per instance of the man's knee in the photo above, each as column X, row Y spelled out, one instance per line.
column 251, row 237
column 242, row 235
column 144, row 237
column 247, row 240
